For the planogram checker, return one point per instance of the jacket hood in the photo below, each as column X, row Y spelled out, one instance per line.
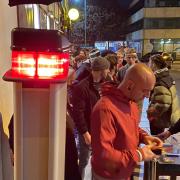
column 163, row 78
column 110, row 89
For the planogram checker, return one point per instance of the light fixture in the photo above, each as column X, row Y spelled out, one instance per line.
column 40, row 65
column 73, row 14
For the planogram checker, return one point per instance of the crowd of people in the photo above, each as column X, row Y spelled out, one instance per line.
column 106, row 98
column 105, row 94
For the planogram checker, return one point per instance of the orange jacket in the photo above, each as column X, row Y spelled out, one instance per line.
column 115, row 135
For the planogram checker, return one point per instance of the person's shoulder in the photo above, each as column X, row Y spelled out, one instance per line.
column 123, row 68
column 83, row 84
column 104, row 103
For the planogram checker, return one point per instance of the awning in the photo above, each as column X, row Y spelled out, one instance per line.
column 18, row 2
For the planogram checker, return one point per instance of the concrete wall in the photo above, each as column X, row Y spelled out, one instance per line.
column 166, row 12
column 8, row 20
column 161, row 33
column 136, row 16
column 162, row 12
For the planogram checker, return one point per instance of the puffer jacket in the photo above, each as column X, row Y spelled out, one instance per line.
column 163, row 109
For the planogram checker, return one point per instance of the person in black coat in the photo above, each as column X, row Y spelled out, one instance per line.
column 85, row 94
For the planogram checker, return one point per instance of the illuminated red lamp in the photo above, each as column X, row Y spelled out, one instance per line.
column 38, row 66
column 38, row 55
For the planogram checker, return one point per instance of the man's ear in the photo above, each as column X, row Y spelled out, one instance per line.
column 130, row 85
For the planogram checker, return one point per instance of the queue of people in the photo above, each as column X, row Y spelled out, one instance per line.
column 104, row 92
column 107, row 125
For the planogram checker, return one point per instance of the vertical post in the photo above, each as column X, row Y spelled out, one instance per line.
column 57, row 131
column 85, row 21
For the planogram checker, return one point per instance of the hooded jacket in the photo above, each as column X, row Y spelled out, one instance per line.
column 163, row 109
column 115, row 134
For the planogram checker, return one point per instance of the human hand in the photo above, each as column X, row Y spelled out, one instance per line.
column 87, row 138
column 164, row 135
column 147, row 153
column 153, row 141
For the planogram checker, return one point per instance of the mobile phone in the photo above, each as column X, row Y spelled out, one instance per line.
column 157, row 151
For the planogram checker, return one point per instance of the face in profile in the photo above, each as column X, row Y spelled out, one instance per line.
column 142, row 89
column 82, row 53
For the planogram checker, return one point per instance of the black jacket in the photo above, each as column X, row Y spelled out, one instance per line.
column 176, row 128
column 84, row 97
column 83, row 71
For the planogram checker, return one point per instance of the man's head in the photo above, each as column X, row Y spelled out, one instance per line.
column 157, row 62
column 131, row 56
column 106, row 52
column 138, row 82
column 79, row 59
column 112, row 58
column 100, row 68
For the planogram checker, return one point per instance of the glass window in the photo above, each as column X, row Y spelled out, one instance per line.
column 162, row 23
column 162, row 3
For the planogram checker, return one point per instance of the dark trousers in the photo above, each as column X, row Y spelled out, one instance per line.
column 71, row 158
column 84, row 155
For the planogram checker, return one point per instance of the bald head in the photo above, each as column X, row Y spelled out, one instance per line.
column 139, row 72
column 138, row 82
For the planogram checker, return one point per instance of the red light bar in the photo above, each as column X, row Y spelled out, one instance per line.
column 39, row 65
column 24, row 63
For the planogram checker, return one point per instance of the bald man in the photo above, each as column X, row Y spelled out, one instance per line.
column 114, row 127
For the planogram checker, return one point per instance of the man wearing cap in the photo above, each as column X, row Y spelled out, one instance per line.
column 84, row 97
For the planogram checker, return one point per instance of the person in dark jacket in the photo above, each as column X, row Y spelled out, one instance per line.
column 163, row 110
column 172, row 130
column 84, row 96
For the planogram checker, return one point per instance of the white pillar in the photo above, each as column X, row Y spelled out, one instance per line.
column 40, row 119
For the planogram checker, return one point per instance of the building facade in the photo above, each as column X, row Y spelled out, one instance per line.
column 154, row 25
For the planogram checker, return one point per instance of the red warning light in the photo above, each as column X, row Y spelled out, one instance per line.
column 24, row 63
column 40, row 65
